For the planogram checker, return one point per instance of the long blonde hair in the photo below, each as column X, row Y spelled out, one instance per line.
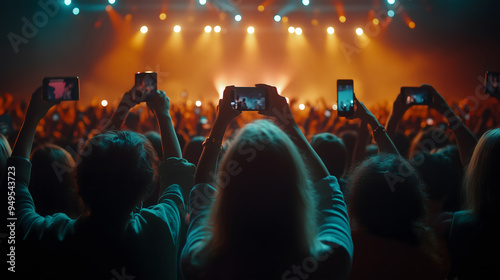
column 482, row 177
column 264, row 198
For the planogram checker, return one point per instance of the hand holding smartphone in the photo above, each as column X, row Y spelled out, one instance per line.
column 345, row 98
column 60, row 88
column 249, row 99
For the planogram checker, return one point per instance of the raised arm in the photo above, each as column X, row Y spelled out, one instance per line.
column 36, row 111
column 399, row 108
column 466, row 141
column 384, row 143
column 207, row 165
column 279, row 108
column 129, row 100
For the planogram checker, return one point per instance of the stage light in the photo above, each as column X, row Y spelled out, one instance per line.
column 237, row 17
column 305, row 2
column 163, row 16
column 277, row 18
column 375, row 21
column 104, row 103
column 298, row 30
column 111, row 1
column 144, row 29
column 334, row 107
column 314, row 22
column 411, row 24
column 76, row 11
column 217, row 29
column 197, row 103
column 359, row 31
column 128, row 17
column 250, row 30
column 208, row 28
column 67, row 2
column 391, row 1
column 390, row 13
column 342, row 19
column 177, row 28
column 261, row 8
column 330, row 30
column 108, row 8
column 291, row 29
column 302, row 106
column 203, row 2
column 284, row 19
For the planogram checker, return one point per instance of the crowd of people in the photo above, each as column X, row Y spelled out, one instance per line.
column 154, row 190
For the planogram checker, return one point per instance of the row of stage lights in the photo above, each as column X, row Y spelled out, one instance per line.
column 251, row 29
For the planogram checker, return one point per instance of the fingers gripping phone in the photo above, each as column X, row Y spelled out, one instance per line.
column 249, row 99
column 416, row 96
column 345, row 98
column 146, row 84
column 60, row 88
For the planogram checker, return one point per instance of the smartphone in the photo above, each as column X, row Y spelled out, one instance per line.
column 146, row 84
column 60, row 88
column 249, row 99
column 416, row 96
column 491, row 83
column 345, row 98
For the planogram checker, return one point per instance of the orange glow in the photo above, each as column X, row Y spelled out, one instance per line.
column 128, row 17
column 411, row 24
column 375, row 21
column 163, row 16
column 261, row 8
column 116, row 19
column 109, row 8
column 284, row 19
column 314, row 22
column 342, row 19
column 340, row 10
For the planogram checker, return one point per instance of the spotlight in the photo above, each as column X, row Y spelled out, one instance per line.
column 261, row 8
column 104, row 103
column 203, row 2
column 305, row 2
column 411, row 24
column 391, row 1
column 208, row 28
column 76, row 11
column 177, row 28
column 197, row 103
column 342, row 18
column 277, row 18
column 291, row 29
column 163, row 16
column 217, row 29
column 111, row 1
column 250, row 30
column 330, row 30
column 375, row 21
column 390, row 13
column 284, row 19
column 302, row 106
column 144, row 29
column 334, row 107
column 359, row 31
column 298, row 30
column 67, row 2
column 237, row 17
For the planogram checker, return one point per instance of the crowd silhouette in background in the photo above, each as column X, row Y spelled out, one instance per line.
column 156, row 190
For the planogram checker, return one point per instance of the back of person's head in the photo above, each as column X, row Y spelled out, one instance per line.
column 116, row 171
column 193, row 149
column 386, row 198
column 332, row 152
column 349, row 138
column 155, row 139
column 264, row 199
column 52, row 182
column 5, row 152
column 427, row 140
column 482, row 177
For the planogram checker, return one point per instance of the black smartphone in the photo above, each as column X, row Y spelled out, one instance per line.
column 491, row 83
column 249, row 99
column 345, row 98
column 61, row 88
column 146, row 84
column 416, row 96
